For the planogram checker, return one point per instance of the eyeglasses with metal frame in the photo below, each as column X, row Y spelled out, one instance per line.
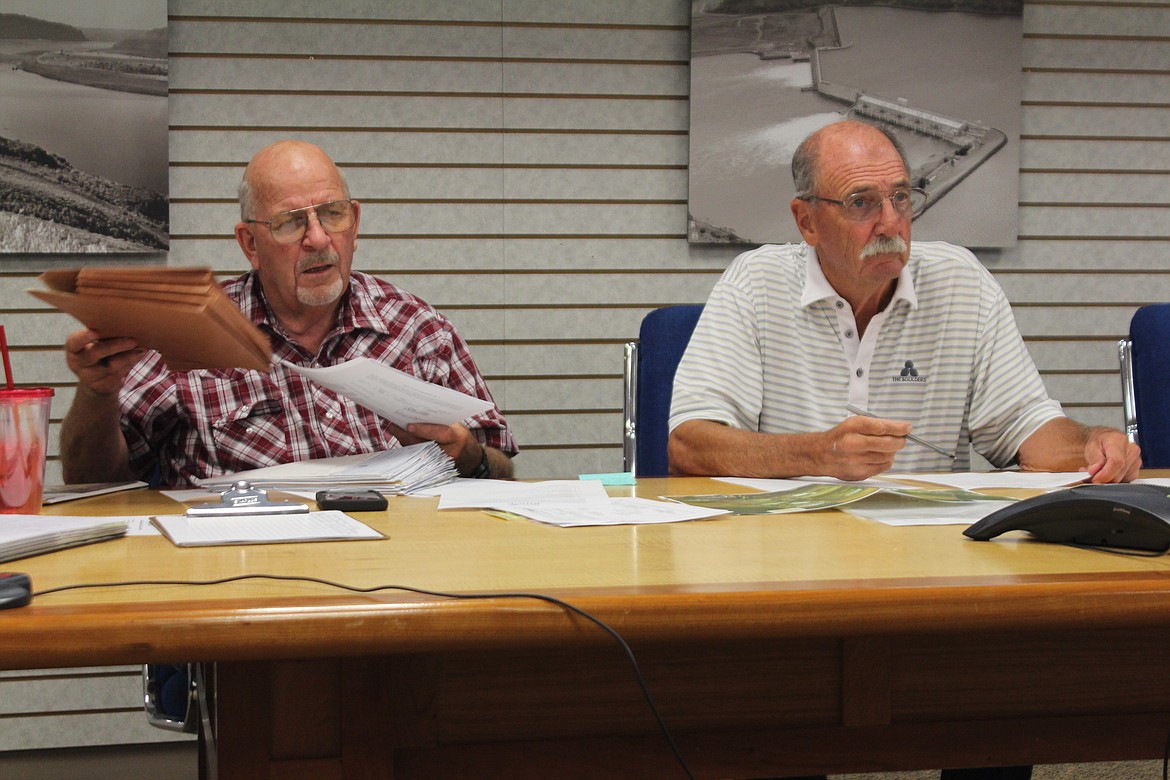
column 288, row 227
column 865, row 206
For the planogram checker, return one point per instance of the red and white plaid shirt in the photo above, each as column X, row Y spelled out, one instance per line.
column 198, row 424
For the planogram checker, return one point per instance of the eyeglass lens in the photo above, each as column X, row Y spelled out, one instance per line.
column 864, row 206
column 334, row 216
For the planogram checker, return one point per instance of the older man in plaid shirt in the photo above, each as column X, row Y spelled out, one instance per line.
column 298, row 230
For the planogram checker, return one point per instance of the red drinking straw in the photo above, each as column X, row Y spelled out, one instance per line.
column 7, row 363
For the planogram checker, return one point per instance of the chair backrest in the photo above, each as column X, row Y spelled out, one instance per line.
column 649, row 379
column 1145, row 377
column 170, row 698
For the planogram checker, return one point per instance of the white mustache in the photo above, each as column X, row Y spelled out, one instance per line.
column 885, row 245
column 322, row 258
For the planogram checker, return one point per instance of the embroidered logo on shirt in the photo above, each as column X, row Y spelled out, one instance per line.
column 909, row 373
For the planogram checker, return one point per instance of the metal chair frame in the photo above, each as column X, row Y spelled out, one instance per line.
column 1128, row 394
column 630, row 408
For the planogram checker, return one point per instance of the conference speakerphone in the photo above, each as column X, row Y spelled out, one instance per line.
column 1129, row 516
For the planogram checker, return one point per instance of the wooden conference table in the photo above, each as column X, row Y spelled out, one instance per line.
column 774, row 645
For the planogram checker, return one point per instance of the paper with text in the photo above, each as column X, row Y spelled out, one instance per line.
column 399, row 397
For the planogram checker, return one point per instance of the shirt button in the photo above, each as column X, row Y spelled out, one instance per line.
column 861, row 372
column 840, row 304
column 848, row 334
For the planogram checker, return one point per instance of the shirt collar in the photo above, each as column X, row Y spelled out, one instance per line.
column 817, row 287
column 359, row 310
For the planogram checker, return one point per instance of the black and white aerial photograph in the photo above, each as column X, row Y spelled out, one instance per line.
column 944, row 76
column 83, row 126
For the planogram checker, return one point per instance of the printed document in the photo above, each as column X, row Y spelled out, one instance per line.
column 399, row 397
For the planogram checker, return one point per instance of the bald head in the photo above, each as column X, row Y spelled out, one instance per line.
column 807, row 165
column 304, row 263
column 285, row 160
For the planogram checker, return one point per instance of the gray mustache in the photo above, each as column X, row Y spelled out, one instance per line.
column 883, row 246
column 324, row 258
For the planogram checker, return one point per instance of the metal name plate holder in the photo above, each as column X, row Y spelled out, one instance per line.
column 243, row 499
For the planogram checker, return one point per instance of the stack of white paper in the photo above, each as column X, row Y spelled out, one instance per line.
column 25, row 535
column 394, row 471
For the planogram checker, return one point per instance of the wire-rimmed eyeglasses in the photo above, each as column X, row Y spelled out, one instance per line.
column 288, row 227
column 865, row 206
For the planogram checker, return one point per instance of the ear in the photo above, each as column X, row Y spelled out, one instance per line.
column 802, row 212
column 357, row 221
column 247, row 241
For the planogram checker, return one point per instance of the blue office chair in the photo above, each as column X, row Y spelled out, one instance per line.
column 170, row 697
column 1145, row 383
column 649, row 378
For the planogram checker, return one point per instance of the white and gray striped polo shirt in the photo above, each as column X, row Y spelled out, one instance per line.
column 776, row 351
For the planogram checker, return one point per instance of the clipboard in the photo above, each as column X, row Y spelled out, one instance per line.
column 182, row 313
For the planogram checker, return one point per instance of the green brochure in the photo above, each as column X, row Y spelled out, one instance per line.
column 815, row 496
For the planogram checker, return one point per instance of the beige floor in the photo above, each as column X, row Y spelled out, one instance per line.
column 1120, row 770
column 178, row 762
column 167, row 761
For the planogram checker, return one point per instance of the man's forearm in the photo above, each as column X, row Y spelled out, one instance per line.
column 1057, row 445
column 708, row 448
column 92, row 446
column 1065, row 445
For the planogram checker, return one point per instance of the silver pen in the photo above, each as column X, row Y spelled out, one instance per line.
column 910, row 436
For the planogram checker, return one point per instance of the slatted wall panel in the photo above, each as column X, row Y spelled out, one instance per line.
column 63, row 708
column 1095, row 191
column 523, row 167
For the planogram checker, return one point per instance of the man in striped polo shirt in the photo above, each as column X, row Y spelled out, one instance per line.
column 918, row 335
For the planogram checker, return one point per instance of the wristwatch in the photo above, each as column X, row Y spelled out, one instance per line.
column 484, row 469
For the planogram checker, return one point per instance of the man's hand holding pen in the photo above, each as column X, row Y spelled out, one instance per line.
column 910, row 436
column 861, row 447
